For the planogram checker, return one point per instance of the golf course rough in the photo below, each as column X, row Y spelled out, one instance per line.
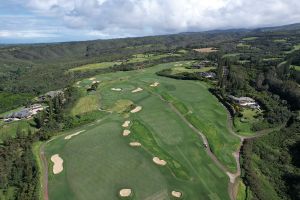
column 101, row 162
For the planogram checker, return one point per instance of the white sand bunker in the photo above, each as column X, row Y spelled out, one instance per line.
column 72, row 135
column 116, row 89
column 137, row 90
column 58, row 164
column 176, row 194
column 125, row 192
column 135, row 144
column 154, row 84
column 126, row 124
column 126, row 132
column 158, row 161
column 136, row 109
column 91, row 79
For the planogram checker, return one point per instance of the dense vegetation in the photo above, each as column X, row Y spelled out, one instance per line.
column 271, row 164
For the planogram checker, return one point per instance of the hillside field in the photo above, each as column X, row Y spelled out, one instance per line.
column 98, row 160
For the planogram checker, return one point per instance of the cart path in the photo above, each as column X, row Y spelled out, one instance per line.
column 233, row 177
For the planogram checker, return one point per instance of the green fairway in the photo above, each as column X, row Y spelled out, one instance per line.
column 99, row 161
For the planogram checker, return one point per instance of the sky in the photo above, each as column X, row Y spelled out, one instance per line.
column 39, row 21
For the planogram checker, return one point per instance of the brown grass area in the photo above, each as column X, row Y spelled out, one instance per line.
column 206, row 50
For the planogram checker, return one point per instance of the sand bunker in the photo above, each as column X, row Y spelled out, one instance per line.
column 125, row 192
column 116, row 89
column 72, row 135
column 176, row 194
column 91, row 79
column 126, row 132
column 154, row 84
column 158, row 161
column 137, row 90
column 137, row 109
column 58, row 164
column 126, row 124
column 135, row 144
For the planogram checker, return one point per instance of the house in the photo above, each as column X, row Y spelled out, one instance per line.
column 51, row 95
column 245, row 101
column 22, row 114
column 207, row 74
column 25, row 113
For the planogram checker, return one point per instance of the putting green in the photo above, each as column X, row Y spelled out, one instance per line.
column 99, row 161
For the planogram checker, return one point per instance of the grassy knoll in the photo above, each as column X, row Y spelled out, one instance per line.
column 99, row 161
column 86, row 104
column 122, row 105
column 243, row 124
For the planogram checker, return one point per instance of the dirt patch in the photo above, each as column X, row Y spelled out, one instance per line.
column 72, row 135
column 125, row 192
column 135, row 144
column 137, row 90
column 206, row 50
column 126, row 132
column 116, row 89
column 136, row 109
column 176, row 194
column 154, row 84
column 126, row 124
column 58, row 164
column 158, row 161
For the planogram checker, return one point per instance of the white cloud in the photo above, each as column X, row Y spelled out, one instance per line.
column 164, row 16
column 91, row 19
